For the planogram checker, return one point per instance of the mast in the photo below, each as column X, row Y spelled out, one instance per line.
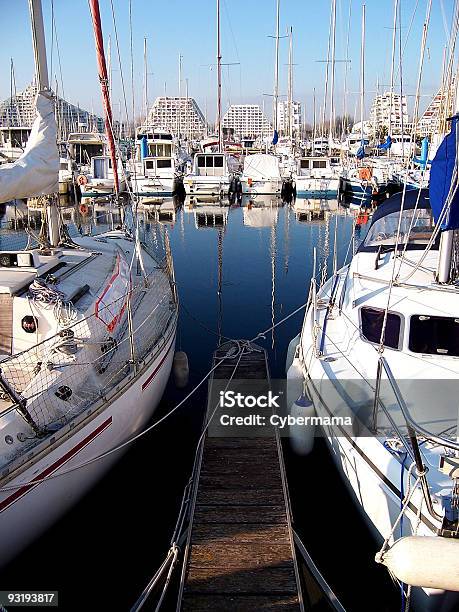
column 39, row 47
column 145, row 79
column 102, row 68
column 332, row 84
column 276, row 69
column 314, row 123
column 362, row 75
column 179, row 110
column 290, row 85
column 219, row 83
column 42, row 82
column 394, row 31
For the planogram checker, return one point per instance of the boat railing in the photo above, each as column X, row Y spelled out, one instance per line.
column 86, row 362
column 414, row 430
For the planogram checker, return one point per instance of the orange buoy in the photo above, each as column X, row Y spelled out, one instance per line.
column 82, row 179
column 83, row 209
column 365, row 174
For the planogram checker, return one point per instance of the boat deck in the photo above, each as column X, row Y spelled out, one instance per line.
column 240, row 553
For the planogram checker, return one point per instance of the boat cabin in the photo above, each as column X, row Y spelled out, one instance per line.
column 85, row 145
column 158, row 166
column 210, row 164
column 101, row 167
column 316, row 166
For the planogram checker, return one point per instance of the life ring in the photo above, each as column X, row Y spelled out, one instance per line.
column 83, row 209
column 82, row 179
column 365, row 174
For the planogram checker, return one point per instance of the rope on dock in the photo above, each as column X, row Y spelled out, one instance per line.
column 241, row 342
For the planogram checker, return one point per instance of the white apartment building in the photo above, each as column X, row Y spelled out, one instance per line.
column 433, row 119
column 283, row 117
column 19, row 111
column 385, row 113
column 247, row 120
column 179, row 115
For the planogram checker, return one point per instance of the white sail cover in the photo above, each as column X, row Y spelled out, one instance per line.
column 36, row 171
column 262, row 166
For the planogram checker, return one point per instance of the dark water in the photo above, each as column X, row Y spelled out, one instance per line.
column 238, row 270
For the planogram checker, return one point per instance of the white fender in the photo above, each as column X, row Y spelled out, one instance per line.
column 180, row 369
column 424, row 561
column 291, row 352
column 302, row 436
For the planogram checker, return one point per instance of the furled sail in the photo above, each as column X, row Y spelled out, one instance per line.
column 36, row 171
column 444, row 180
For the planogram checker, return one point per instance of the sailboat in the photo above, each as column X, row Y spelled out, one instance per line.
column 214, row 174
column 379, row 346
column 86, row 339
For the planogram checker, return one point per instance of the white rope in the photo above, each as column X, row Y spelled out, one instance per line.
column 151, row 427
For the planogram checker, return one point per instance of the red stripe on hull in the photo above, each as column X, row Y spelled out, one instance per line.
column 54, row 466
column 153, row 374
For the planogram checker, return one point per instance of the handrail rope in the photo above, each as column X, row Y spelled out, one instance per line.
column 182, row 513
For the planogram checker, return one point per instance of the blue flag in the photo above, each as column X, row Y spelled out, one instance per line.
column 275, row 137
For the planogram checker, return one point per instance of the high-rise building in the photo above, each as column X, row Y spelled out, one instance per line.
column 19, row 111
column 179, row 115
column 247, row 120
column 433, row 119
column 385, row 114
column 283, row 121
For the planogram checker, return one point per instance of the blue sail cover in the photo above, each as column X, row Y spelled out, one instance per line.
column 143, row 147
column 423, row 160
column 275, row 137
column 441, row 173
column 361, row 150
column 385, row 145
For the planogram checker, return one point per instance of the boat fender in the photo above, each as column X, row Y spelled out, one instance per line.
column 82, row 179
column 83, row 209
column 180, row 369
column 302, row 435
column 291, row 351
column 295, row 381
column 424, row 561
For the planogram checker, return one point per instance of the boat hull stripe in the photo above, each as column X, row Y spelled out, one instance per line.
column 155, row 371
column 54, row 466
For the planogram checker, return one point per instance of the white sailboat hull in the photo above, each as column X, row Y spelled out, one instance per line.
column 28, row 510
column 262, row 187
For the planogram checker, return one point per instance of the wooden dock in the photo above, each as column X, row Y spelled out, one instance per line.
column 240, row 553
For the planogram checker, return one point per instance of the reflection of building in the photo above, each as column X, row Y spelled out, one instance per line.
column 178, row 115
column 283, row 116
column 247, row 120
column 19, row 111
column 384, row 113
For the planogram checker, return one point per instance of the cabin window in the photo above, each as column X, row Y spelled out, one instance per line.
column 163, row 163
column 149, row 165
column 201, row 161
column 304, row 163
column 110, row 163
column 434, row 335
column 218, row 162
column 416, row 227
column 319, row 163
column 209, row 162
column 372, row 319
column 63, row 165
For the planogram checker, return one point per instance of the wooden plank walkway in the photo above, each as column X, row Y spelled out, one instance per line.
column 240, row 553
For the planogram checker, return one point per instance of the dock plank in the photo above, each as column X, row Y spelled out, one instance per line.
column 239, row 553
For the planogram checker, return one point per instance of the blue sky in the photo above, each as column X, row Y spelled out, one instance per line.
column 188, row 27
